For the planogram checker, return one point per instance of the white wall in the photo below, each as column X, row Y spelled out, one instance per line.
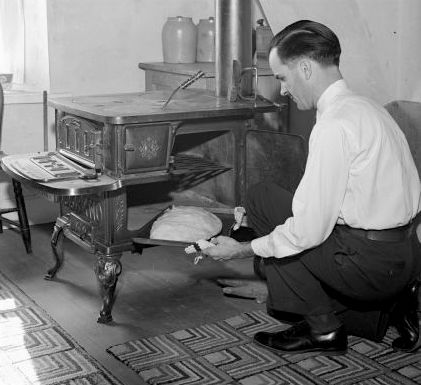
column 95, row 45
column 380, row 41
column 82, row 47
column 22, row 133
column 36, row 45
column 409, row 52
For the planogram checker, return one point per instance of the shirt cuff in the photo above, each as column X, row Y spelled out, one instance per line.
column 261, row 247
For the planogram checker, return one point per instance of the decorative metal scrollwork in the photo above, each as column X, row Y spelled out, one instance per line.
column 149, row 148
column 71, row 121
column 85, row 206
column 107, row 270
column 83, row 229
column 120, row 211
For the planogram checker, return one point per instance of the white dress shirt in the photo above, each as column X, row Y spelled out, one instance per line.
column 359, row 172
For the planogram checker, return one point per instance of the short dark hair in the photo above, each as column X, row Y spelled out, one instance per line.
column 307, row 38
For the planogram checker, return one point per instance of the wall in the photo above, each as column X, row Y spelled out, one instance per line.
column 82, row 47
column 408, row 79
column 23, row 120
column 378, row 39
column 36, row 48
column 96, row 45
column 23, row 133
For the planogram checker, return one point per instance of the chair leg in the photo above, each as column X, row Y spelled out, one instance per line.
column 23, row 219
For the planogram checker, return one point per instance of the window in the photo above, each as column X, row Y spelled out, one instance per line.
column 12, row 39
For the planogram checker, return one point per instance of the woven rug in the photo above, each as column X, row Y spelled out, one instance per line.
column 223, row 353
column 34, row 349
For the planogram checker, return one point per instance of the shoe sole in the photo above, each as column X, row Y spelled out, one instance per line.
column 321, row 351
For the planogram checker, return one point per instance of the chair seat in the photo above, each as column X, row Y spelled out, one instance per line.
column 22, row 223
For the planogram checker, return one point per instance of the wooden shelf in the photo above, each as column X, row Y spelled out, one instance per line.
column 189, row 69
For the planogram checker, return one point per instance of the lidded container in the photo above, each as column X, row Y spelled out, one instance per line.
column 264, row 36
column 179, row 40
column 206, row 40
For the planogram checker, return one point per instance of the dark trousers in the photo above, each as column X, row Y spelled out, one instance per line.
column 347, row 279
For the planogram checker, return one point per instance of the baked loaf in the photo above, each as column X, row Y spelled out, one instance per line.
column 186, row 224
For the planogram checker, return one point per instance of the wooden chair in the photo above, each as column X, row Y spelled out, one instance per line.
column 22, row 223
column 408, row 116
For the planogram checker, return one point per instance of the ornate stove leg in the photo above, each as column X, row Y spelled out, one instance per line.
column 57, row 247
column 107, row 270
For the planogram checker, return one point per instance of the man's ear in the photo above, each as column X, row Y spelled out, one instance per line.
column 305, row 68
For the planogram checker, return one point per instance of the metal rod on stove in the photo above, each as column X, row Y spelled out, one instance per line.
column 184, row 85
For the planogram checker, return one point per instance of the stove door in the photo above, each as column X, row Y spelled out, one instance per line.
column 276, row 157
column 80, row 140
column 146, row 147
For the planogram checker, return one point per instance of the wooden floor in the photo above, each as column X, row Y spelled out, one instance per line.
column 158, row 292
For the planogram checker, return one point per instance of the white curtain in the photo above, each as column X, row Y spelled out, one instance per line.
column 12, row 39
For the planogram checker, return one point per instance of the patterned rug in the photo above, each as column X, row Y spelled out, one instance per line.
column 223, row 353
column 34, row 349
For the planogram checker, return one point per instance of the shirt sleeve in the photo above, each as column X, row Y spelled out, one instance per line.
column 317, row 201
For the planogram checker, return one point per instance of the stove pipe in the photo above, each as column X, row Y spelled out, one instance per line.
column 233, row 41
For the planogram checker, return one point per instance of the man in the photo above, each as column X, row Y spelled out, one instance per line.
column 343, row 249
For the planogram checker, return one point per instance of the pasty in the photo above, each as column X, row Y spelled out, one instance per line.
column 186, row 224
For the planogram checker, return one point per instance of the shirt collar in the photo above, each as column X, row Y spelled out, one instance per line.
column 330, row 94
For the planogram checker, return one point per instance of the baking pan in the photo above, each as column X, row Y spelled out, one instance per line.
column 226, row 215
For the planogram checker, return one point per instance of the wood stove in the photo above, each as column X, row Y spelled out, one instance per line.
column 126, row 140
column 114, row 142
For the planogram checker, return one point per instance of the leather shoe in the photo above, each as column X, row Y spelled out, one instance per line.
column 406, row 320
column 301, row 339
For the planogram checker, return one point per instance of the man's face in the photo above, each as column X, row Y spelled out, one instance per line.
column 293, row 80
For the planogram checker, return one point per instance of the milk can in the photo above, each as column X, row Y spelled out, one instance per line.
column 179, row 40
column 206, row 40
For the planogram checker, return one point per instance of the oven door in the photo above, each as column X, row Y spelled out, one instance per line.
column 80, row 140
column 276, row 157
column 146, row 147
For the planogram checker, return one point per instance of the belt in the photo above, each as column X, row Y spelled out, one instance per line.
column 396, row 234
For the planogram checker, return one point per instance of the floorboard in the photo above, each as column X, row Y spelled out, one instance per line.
column 158, row 292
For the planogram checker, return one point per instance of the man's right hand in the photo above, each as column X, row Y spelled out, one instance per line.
column 227, row 248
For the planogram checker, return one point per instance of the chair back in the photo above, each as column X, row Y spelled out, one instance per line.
column 408, row 116
column 1, row 112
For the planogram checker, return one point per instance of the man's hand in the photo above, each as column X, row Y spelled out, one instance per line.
column 227, row 248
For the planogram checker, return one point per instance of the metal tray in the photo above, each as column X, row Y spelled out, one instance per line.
column 142, row 239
